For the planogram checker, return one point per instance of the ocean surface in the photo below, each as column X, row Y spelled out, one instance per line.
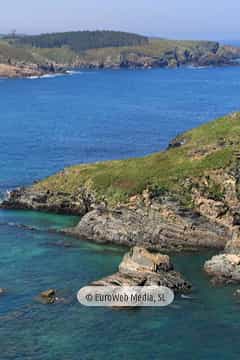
column 49, row 123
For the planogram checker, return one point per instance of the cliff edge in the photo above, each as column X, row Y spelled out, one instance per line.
column 186, row 197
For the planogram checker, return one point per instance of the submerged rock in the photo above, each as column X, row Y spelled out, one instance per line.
column 2, row 291
column 51, row 296
column 48, row 296
column 237, row 293
column 140, row 267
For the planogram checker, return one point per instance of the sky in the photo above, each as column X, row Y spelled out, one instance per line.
column 179, row 19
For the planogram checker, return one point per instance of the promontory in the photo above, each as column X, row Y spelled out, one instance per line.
column 25, row 55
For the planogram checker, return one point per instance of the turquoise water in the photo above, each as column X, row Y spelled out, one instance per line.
column 47, row 124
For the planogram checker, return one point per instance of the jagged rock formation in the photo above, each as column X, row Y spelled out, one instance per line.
column 139, row 267
column 169, row 56
column 152, row 224
column 58, row 202
column 152, row 228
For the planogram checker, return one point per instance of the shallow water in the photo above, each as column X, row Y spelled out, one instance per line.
column 49, row 123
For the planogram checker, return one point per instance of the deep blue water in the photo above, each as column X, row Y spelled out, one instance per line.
column 47, row 124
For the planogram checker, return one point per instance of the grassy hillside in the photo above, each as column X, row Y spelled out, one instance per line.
column 156, row 47
column 169, row 50
column 211, row 146
column 82, row 40
column 8, row 52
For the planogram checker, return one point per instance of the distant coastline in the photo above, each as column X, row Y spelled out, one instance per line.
column 24, row 56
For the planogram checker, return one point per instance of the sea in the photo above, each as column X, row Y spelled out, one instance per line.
column 49, row 123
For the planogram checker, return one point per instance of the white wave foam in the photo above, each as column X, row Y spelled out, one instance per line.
column 46, row 76
column 197, row 67
column 73, row 72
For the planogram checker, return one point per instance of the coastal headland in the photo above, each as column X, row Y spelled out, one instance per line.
column 183, row 198
column 24, row 56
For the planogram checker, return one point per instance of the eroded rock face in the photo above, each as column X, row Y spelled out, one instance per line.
column 57, row 202
column 157, row 227
column 139, row 259
column 233, row 246
column 225, row 268
column 200, row 56
column 140, row 267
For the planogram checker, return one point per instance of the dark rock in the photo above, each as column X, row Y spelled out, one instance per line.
column 56, row 202
column 65, row 245
column 48, row 296
column 48, row 293
column 177, row 142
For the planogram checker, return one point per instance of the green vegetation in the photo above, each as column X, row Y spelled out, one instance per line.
column 157, row 49
column 82, row 40
column 100, row 47
column 15, row 54
column 57, row 55
column 209, row 147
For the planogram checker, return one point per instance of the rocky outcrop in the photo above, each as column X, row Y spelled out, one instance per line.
column 224, row 268
column 139, row 267
column 157, row 227
column 197, row 56
column 28, row 70
column 52, row 296
column 48, row 296
column 57, row 202
column 144, row 221
column 217, row 198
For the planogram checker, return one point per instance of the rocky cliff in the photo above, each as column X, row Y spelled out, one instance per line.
column 28, row 70
column 163, row 54
column 152, row 53
column 186, row 197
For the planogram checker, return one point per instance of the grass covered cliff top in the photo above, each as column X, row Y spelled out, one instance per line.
column 203, row 149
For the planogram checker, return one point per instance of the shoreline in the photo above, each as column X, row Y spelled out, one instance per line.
column 32, row 72
column 181, row 217
column 186, row 197
column 8, row 71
